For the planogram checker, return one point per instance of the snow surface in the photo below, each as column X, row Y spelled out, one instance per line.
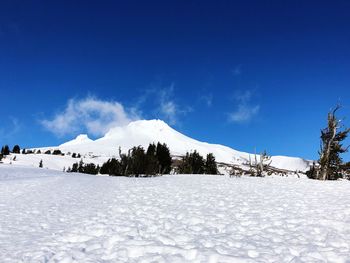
column 53, row 162
column 144, row 132
column 49, row 216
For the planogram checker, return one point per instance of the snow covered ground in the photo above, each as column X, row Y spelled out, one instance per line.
column 48, row 216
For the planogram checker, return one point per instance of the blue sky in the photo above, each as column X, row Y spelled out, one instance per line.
column 241, row 73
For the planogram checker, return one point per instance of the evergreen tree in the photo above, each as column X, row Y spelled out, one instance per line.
column 312, row 173
column 197, row 163
column 90, row 168
column 112, row 167
column 138, row 161
column 24, row 151
column 5, row 150
column 41, row 164
column 48, row 152
column 210, row 165
column 75, row 167
column 38, row 152
column 331, row 147
column 81, row 166
column 57, row 152
column 192, row 163
column 125, row 161
column 164, row 158
column 16, row 149
column 1, row 156
column 152, row 163
column 185, row 166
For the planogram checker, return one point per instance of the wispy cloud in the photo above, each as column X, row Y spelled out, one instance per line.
column 207, row 99
column 10, row 130
column 168, row 109
column 163, row 102
column 245, row 110
column 90, row 114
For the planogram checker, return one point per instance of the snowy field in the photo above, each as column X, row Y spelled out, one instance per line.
column 48, row 216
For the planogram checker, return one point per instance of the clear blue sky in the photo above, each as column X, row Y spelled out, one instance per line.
column 241, row 73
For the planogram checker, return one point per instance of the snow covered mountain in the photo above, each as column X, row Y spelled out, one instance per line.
column 143, row 132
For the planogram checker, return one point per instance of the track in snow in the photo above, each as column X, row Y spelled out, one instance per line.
column 51, row 217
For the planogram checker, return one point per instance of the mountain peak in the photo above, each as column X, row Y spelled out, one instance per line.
column 154, row 124
column 140, row 126
column 80, row 139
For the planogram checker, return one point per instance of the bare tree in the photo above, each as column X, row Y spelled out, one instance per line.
column 260, row 165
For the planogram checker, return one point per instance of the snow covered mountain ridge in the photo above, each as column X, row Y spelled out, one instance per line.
column 144, row 132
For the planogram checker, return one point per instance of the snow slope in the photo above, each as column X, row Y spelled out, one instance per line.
column 54, row 162
column 144, row 132
column 49, row 216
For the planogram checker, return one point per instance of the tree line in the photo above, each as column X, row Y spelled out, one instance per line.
column 156, row 160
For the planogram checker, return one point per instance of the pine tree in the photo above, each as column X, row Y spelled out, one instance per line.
column 138, row 161
column 41, row 164
column 164, row 158
column 192, row 163
column 5, row 150
column 185, row 166
column 125, row 162
column 152, row 163
column 81, row 166
column 90, row 168
column 57, row 152
column 16, row 149
column 112, row 167
column 331, row 147
column 75, row 167
column 210, row 165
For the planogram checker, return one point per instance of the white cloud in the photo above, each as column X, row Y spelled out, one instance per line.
column 245, row 109
column 244, row 113
column 168, row 109
column 162, row 103
column 90, row 114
